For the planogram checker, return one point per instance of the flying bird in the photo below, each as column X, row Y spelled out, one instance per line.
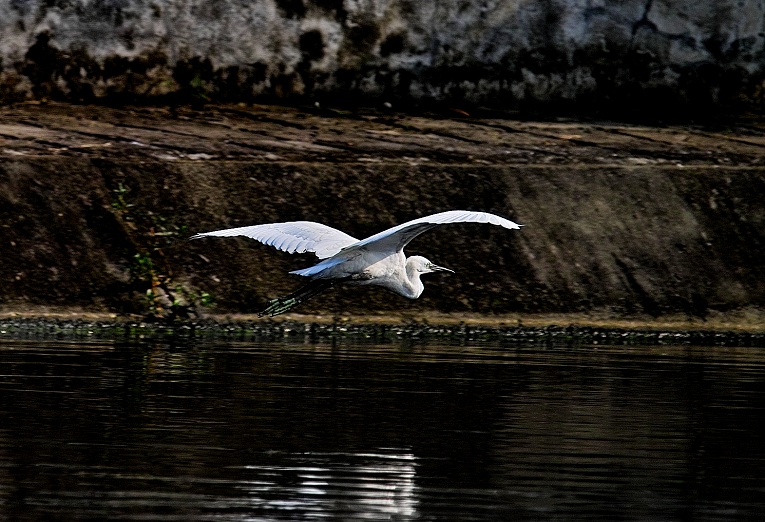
column 377, row 260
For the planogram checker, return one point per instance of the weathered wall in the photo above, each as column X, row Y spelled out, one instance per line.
column 632, row 54
column 617, row 240
column 618, row 219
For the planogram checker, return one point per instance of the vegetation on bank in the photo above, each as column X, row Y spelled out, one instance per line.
column 337, row 331
column 162, row 298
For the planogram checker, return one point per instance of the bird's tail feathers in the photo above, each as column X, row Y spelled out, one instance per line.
column 315, row 269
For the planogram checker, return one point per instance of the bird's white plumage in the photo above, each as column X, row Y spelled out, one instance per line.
column 377, row 260
column 396, row 238
column 393, row 240
column 292, row 237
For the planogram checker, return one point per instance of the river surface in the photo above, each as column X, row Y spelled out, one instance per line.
column 162, row 430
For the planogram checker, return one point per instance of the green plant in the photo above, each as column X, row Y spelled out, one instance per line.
column 151, row 274
column 119, row 202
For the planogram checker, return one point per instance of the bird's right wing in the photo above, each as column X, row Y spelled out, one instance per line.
column 396, row 238
column 292, row 237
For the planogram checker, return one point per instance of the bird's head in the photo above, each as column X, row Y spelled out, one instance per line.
column 423, row 266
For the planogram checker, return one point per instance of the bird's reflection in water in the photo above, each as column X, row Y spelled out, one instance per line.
column 362, row 485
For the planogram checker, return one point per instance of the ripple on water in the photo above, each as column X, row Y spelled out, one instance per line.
column 239, row 431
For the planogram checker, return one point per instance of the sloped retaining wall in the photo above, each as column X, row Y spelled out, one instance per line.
column 618, row 219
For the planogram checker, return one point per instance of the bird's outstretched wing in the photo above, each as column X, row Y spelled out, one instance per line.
column 396, row 238
column 292, row 237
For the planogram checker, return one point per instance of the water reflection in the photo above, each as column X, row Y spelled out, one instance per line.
column 361, row 485
column 235, row 431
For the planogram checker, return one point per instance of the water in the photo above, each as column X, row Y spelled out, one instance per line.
column 234, row 431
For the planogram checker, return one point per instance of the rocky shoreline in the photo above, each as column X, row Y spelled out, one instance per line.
column 378, row 329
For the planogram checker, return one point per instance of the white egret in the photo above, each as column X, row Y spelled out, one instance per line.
column 377, row 260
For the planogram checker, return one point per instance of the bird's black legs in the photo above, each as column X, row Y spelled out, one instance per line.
column 284, row 304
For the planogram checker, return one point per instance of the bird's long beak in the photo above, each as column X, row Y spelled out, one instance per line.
column 437, row 268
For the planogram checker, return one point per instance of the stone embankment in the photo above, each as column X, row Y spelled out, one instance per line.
column 621, row 220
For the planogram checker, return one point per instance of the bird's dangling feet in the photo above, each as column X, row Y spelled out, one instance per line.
column 279, row 305
column 286, row 303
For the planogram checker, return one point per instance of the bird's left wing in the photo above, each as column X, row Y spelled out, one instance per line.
column 396, row 238
column 292, row 237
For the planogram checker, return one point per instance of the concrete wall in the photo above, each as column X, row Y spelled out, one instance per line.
column 619, row 219
column 591, row 54
column 599, row 245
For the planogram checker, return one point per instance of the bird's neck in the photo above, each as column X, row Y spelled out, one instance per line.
column 414, row 286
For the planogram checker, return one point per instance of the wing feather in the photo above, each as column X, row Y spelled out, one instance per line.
column 336, row 247
column 291, row 237
column 290, row 245
column 396, row 238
